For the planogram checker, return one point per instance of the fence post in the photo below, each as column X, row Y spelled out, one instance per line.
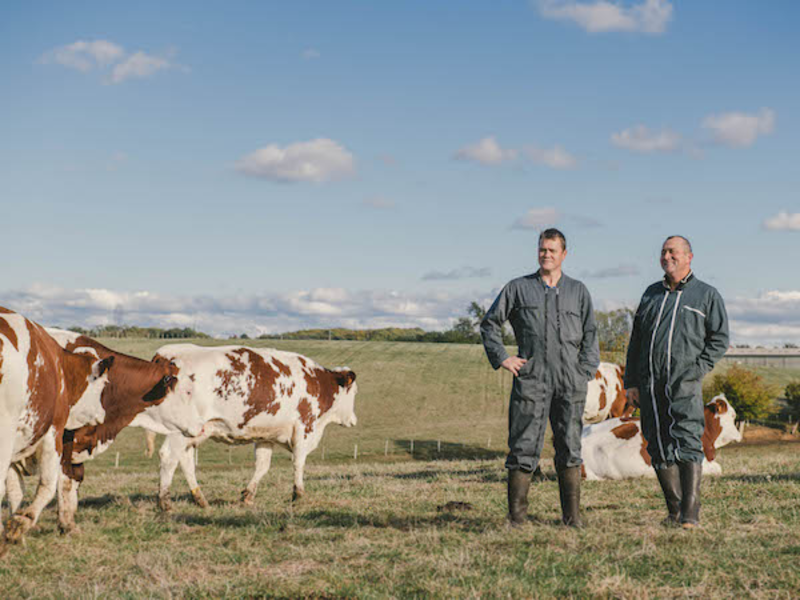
column 386, row 448
column 116, row 461
column 355, row 452
column 412, row 447
column 438, row 446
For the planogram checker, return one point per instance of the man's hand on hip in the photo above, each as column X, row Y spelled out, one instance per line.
column 513, row 364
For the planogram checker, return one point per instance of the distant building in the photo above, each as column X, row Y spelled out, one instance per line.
column 784, row 358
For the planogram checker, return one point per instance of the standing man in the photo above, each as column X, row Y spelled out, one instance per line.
column 679, row 332
column 553, row 321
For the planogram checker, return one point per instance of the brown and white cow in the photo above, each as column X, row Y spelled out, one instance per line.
column 616, row 449
column 40, row 383
column 237, row 395
column 605, row 395
column 132, row 386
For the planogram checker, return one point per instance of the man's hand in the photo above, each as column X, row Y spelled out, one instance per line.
column 513, row 364
column 632, row 394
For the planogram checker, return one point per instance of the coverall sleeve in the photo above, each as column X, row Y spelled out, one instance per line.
column 717, row 338
column 492, row 328
column 589, row 357
column 631, row 379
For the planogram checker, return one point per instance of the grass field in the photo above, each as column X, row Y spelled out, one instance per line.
column 379, row 526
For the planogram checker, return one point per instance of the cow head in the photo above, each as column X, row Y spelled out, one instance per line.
column 720, row 426
column 344, row 397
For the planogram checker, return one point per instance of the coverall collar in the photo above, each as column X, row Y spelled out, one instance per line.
column 538, row 275
column 681, row 284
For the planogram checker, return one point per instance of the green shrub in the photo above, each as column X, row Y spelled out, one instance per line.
column 792, row 394
column 745, row 390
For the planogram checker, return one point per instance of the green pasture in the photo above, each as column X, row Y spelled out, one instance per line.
column 393, row 523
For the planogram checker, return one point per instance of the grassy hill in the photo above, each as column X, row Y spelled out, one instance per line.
column 383, row 526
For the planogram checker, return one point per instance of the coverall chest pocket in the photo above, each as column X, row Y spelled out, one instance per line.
column 571, row 326
column 527, row 321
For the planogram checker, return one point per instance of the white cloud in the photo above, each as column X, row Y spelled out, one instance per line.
column 771, row 318
column 783, row 221
column 138, row 66
column 649, row 16
column 537, row 218
column 251, row 314
column 318, row 161
column 379, row 202
column 641, row 139
column 311, row 53
column 739, row 130
column 486, row 151
column 102, row 54
column 85, row 56
column 455, row 274
column 555, row 158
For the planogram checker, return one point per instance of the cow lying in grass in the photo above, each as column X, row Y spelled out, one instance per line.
column 605, row 394
column 241, row 395
column 616, row 449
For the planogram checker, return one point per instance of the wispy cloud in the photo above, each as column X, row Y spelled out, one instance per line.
column 555, row 157
column 783, row 221
column 102, row 55
column 537, row 218
column 738, row 129
column 623, row 270
column 251, row 314
column 649, row 16
column 317, row 161
column 771, row 318
column 311, row 53
column 455, row 274
column 640, row 139
column 485, row 151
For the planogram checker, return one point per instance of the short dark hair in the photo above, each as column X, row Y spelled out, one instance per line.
column 685, row 241
column 553, row 234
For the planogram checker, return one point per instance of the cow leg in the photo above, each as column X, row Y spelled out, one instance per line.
column 299, row 461
column 6, row 449
column 149, row 443
column 15, row 490
column 263, row 452
column 67, row 503
column 50, row 467
column 187, row 462
column 170, row 454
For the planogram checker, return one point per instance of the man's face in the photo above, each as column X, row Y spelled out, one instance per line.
column 676, row 260
column 551, row 254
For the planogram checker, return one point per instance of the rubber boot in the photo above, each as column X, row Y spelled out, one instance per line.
column 569, row 488
column 670, row 481
column 519, row 482
column 690, row 473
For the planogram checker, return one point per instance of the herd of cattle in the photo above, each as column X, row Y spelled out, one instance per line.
column 65, row 397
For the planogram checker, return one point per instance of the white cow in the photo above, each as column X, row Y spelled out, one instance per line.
column 236, row 395
column 616, row 449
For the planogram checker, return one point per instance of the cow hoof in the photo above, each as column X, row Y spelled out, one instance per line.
column 68, row 528
column 199, row 498
column 164, row 503
column 298, row 494
column 248, row 499
column 17, row 527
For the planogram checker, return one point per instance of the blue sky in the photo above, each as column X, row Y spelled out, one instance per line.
column 266, row 166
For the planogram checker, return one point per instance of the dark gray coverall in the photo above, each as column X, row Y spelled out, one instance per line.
column 677, row 338
column 556, row 333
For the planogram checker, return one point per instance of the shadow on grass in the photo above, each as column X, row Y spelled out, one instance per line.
column 323, row 518
column 428, row 450
column 487, row 474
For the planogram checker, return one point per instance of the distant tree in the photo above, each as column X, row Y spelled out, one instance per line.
column 792, row 395
column 477, row 312
column 745, row 390
column 614, row 329
column 790, row 345
column 244, row 336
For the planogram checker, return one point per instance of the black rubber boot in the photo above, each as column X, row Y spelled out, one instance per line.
column 569, row 488
column 690, row 473
column 670, row 481
column 519, row 482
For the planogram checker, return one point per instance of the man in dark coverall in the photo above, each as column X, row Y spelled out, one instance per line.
column 679, row 332
column 558, row 354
